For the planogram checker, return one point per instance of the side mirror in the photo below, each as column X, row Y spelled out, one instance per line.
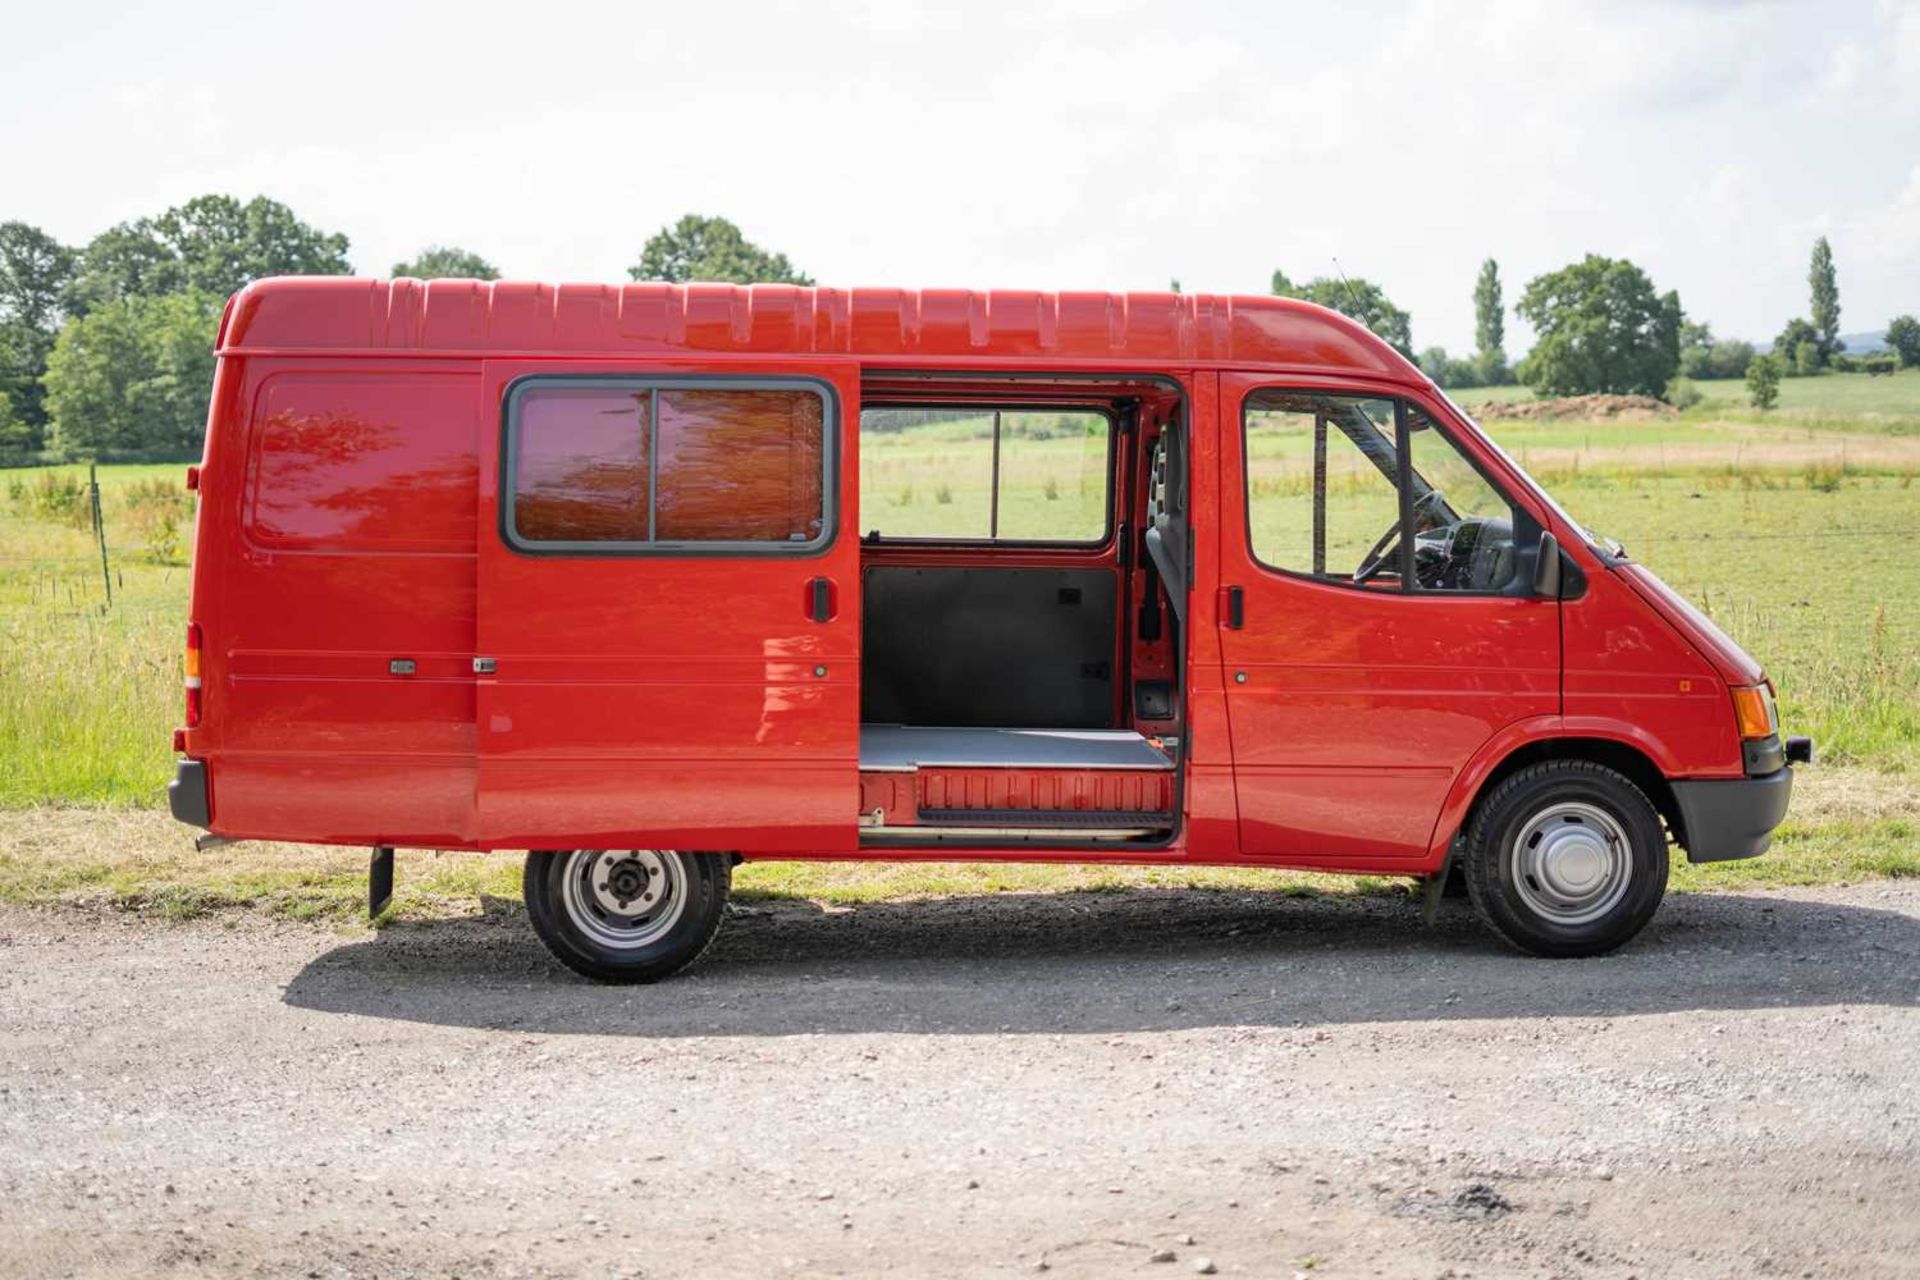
column 1546, row 568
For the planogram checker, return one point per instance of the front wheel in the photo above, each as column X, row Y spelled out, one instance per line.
column 626, row 915
column 1566, row 858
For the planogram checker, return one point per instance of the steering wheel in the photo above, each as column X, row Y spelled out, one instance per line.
column 1377, row 556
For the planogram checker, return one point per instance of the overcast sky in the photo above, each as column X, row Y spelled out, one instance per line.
column 1095, row 144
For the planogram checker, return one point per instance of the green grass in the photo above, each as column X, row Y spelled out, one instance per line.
column 89, row 694
column 1851, row 401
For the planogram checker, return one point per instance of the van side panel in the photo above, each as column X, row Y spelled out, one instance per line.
column 352, row 555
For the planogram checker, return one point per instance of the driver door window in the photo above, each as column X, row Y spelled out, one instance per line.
column 1330, row 496
column 1321, row 494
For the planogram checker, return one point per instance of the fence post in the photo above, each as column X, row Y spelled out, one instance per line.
column 99, row 528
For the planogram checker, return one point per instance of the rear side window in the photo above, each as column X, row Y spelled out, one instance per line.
column 611, row 465
column 363, row 462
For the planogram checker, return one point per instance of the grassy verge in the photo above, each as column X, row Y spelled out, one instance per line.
column 1848, row 825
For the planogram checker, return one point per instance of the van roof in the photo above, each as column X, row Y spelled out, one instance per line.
column 308, row 314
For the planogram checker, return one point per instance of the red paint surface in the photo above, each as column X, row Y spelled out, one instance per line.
column 350, row 517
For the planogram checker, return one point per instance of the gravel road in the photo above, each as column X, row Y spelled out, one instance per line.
column 1130, row 1083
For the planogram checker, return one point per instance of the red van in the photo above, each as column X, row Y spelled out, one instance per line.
column 652, row 579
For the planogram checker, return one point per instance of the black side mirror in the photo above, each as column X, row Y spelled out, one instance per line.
column 1546, row 568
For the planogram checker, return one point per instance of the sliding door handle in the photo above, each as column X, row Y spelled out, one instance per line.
column 820, row 600
column 1236, row 608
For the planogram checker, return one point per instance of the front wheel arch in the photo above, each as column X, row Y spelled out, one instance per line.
column 1623, row 758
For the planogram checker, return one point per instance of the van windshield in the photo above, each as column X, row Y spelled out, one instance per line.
column 1598, row 541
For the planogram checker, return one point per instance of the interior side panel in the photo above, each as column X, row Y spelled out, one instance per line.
column 982, row 646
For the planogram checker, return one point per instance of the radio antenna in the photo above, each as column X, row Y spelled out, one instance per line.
column 1352, row 297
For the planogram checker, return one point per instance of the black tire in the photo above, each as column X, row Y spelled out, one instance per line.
column 675, row 904
column 1566, row 858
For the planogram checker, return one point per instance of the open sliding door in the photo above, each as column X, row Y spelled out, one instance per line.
column 669, row 608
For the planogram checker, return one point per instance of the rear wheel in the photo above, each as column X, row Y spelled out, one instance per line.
column 1566, row 858
column 626, row 915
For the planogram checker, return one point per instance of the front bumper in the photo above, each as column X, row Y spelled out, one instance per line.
column 187, row 794
column 1724, row 819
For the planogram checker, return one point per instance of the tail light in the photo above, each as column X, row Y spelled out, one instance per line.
column 192, row 667
column 1754, row 712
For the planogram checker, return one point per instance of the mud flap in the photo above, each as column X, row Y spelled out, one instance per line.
column 1435, row 886
column 379, row 880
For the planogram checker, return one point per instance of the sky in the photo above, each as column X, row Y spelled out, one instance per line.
column 1080, row 144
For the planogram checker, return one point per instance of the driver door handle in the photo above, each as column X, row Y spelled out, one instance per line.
column 1236, row 608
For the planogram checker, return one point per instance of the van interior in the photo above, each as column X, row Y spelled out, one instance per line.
column 1024, row 566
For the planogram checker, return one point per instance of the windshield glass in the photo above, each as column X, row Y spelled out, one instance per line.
column 1599, row 542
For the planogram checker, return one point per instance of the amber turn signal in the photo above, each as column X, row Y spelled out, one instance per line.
column 1753, row 711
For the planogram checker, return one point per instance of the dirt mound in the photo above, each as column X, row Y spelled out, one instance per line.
column 1594, row 408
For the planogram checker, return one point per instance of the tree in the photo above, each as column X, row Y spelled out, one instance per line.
column 1806, row 358
column 1763, row 381
column 701, row 248
column 1601, row 328
column 1903, row 335
column 1731, row 357
column 213, row 243
column 1489, row 314
column 441, row 262
column 1787, row 345
column 1825, row 300
column 16, row 437
column 134, row 373
column 35, row 273
column 1359, row 298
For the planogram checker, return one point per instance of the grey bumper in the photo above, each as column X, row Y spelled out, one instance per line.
column 187, row 794
column 1732, row 818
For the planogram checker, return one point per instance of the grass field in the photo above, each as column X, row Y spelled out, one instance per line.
column 1832, row 395
column 1798, row 530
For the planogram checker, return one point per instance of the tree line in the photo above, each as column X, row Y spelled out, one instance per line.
column 106, row 348
column 1601, row 325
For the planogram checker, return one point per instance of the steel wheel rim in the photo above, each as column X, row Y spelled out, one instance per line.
column 1572, row 862
column 624, row 899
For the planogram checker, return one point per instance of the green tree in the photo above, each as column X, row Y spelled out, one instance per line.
column 1600, row 327
column 1489, row 313
column 1806, row 358
column 1903, row 335
column 443, row 262
column 1763, row 381
column 1359, row 298
column 36, row 272
column 1438, row 365
column 1825, row 292
column 134, row 373
column 214, row 244
column 701, row 248
column 1787, row 345
column 16, row 437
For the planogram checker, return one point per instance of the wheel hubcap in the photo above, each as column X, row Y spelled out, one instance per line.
column 624, row 898
column 1572, row 862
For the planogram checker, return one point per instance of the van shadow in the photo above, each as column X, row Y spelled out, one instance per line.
column 1135, row 960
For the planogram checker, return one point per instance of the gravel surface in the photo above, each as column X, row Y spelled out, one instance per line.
column 1088, row 1084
